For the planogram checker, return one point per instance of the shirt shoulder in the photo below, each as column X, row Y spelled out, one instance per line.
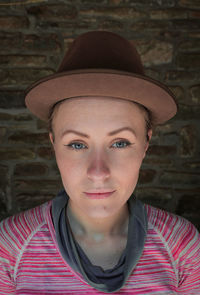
column 182, row 241
column 17, row 229
column 169, row 224
column 180, row 236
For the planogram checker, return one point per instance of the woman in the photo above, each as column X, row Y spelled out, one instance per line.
column 95, row 237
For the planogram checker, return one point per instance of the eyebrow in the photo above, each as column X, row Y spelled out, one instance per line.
column 109, row 134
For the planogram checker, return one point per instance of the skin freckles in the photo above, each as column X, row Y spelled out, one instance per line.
column 99, row 161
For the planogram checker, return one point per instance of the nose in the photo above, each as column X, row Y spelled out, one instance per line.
column 98, row 168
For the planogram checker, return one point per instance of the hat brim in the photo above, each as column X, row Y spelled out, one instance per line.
column 155, row 96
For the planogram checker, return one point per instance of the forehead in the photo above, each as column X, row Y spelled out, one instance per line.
column 84, row 106
column 97, row 114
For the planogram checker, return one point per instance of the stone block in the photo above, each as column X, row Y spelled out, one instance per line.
column 191, row 45
column 20, row 117
column 145, row 3
column 13, row 22
column 150, row 27
column 67, row 42
column 192, row 165
column 3, row 209
column 23, row 61
column 162, row 150
column 185, row 25
column 42, row 125
column 11, row 99
column 111, row 24
column 11, row 9
column 46, row 153
column 32, row 43
column 187, row 141
column 181, row 76
column 154, row 52
column 3, row 132
column 146, row 175
column 5, row 116
column 7, row 154
column 179, row 94
column 37, row 186
column 187, row 60
column 195, row 94
column 85, row 23
column 4, row 180
column 189, row 206
column 193, row 34
column 61, row 26
column 30, row 169
column 115, row 2
column 114, row 12
column 3, row 75
column 23, row 117
column 3, row 175
column 94, row 2
column 194, row 14
column 24, row 137
column 167, row 128
column 23, row 77
column 188, row 112
column 54, row 169
column 152, row 73
column 192, row 4
column 179, row 179
column 28, row 201
column 172, row 13
column 11, row 41
column 159, row 197
column 158, row 161
column 182, row 96
column 55, row 12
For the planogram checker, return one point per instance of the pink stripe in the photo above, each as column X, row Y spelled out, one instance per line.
column 31, row 263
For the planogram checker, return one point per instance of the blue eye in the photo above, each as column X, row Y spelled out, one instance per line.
column 122, row 144
column 79, row 146
column 76, row 145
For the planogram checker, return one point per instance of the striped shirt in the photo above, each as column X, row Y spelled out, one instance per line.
column 31, row 263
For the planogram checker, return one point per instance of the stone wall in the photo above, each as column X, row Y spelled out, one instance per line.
column 33, row 38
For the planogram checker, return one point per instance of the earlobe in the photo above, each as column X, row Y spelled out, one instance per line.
column 51, row 138
column 149, row 135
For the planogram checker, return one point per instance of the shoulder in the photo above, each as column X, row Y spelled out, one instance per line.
column 15, row 230
column 178, row 234
column 164, row 221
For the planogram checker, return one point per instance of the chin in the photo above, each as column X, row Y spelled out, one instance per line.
column 102, row 212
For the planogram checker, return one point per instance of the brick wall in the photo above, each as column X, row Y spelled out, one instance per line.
column 33, row 38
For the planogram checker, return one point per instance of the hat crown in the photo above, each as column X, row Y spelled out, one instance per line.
column 101, row 64
column 102, row 50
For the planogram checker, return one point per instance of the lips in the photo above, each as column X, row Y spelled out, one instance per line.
column 99, row 194
column 99, row 191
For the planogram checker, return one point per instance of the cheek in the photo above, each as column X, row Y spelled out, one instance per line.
column 129, row 167
column 123, row 165
column 130, row 160
column 67, row 166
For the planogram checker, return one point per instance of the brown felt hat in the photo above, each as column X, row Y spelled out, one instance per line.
column 102, row 64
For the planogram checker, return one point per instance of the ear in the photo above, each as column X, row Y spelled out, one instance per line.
column 51, row 136
column 149, row 135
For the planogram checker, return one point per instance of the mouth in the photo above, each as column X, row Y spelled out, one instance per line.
column 98, row 195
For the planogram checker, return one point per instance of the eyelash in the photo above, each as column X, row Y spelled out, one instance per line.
column 74, row 143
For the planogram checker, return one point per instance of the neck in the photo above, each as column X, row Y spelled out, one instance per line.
column 98, row 229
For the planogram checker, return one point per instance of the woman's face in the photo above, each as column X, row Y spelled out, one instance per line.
column 92, row 156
